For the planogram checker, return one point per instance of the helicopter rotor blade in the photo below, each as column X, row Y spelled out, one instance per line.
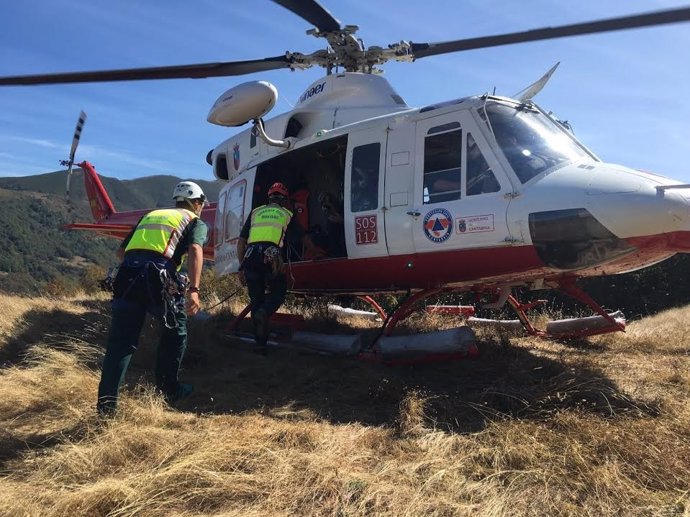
column 420, row 50
column 75, row 143
column 313, row 12
column 198, row 71
column 326, row 24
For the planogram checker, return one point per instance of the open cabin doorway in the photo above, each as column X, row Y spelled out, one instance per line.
column 315, row 177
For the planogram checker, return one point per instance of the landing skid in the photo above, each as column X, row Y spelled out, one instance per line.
column 572, row 328
column 445, row 345
column 456, row 343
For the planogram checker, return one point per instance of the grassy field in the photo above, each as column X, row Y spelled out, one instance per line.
column 530, row 427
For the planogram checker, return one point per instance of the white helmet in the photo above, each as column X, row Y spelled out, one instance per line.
column 188, row 190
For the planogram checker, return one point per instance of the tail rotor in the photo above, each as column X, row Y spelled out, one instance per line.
column 75, row 143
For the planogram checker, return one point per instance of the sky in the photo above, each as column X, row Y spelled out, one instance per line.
column 626, row 94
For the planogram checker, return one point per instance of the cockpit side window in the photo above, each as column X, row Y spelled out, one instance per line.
column 442, row 164
column 365, row 177
column 480, row 178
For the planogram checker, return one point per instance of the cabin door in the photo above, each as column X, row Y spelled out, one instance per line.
column 399, row 187
column 234, row 206
column 365, row 231
column 461, row 193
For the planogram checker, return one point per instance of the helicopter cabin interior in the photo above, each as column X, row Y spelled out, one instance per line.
column 315, row 176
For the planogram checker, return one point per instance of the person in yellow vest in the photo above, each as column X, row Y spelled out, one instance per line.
column 148, row 281
column 260, row 251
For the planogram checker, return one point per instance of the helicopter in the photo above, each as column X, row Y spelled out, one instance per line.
column 480, row 194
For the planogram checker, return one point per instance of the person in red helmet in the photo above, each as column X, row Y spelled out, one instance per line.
column 259, row 249
column 278, row 190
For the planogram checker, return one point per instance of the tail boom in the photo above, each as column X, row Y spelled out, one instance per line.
column 101, row 205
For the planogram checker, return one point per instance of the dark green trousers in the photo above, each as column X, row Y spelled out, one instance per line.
column 128, row 315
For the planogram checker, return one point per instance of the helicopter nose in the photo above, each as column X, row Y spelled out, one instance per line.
column 676, row 201
column 645, row 209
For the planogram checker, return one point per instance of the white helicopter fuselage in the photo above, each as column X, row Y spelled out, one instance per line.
column 480, row 190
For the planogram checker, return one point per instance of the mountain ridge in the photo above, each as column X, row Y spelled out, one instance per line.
column 38, row 255
column 131, row 194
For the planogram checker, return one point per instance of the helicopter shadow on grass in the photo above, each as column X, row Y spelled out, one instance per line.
column 505, row 381
column 57, row 329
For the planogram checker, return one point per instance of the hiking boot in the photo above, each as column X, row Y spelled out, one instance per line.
column 183, row 391
column 261, row 329
column 106, row 407
column 106, row 411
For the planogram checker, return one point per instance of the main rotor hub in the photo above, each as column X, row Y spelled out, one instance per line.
column 347, row 51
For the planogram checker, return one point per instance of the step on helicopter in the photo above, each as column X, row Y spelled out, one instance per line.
column 481, row 194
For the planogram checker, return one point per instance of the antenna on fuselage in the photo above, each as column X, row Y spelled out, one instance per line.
column 534, row 88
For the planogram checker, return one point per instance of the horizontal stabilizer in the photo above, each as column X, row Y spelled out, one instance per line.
column 113, row 230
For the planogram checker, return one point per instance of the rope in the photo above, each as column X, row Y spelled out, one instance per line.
column 226, row 298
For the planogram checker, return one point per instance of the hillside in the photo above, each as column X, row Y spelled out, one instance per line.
column 530, row 427
column 37, row 253
column 39, row 256
column 145, row 192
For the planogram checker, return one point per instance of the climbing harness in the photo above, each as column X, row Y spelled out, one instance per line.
column 268, row 255
column 173, row 289
column 107, row 284
column 273, row 257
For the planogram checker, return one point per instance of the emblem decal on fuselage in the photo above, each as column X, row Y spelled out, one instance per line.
column 475, row 223
column 366, row 230
column 236, row 156
column 438, row 225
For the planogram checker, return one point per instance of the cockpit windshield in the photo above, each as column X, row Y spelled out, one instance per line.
column 530, row 140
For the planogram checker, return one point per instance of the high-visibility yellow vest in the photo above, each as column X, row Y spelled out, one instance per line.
column 160, row 231
column 268, row 224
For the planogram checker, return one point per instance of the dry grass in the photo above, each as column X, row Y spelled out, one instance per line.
column 529, row 428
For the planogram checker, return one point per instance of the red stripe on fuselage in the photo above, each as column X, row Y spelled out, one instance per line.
column 419, row 271
column 484, row 266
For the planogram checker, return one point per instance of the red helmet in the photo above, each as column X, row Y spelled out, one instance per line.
column 278, row 190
